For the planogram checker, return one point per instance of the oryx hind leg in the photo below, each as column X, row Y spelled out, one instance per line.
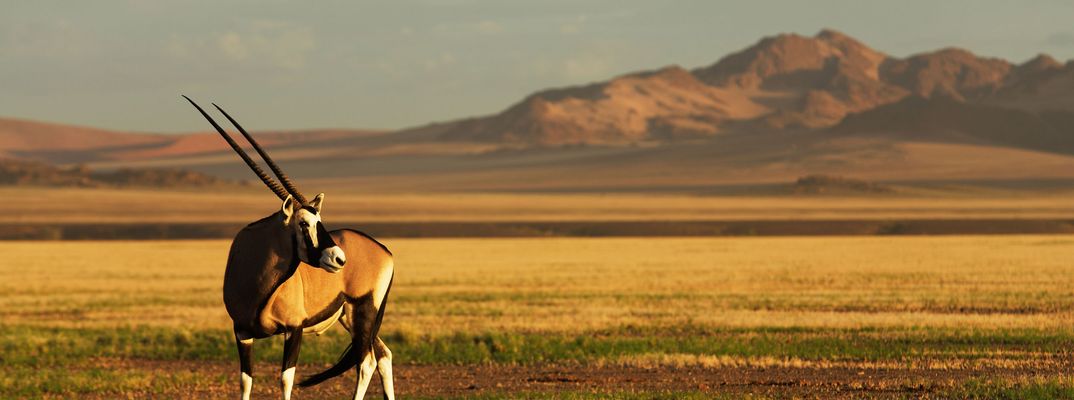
column 245, row 346
column 362, row 321
column 365, row 374
column 384, row 367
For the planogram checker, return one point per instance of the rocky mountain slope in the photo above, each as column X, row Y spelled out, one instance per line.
column 784, row 82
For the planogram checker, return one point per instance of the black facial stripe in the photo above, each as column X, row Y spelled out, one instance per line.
column 323, row 238
column 312, row 252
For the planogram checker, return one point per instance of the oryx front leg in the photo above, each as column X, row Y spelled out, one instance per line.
column 384, row 366
column 245, row 345
column 292, row 343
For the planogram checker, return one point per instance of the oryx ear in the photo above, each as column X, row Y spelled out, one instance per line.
column 317, row 202
column 287, row 208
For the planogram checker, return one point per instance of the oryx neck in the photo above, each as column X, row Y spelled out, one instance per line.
column 277, row 236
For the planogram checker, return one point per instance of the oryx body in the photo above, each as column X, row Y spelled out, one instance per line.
column 287, row 274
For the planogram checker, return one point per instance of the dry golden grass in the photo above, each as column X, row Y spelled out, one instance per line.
column 572, row 285
column 42, row 205
column 873, row 314
column 676, row 360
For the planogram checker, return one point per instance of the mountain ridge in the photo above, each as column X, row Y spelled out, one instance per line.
column 782, row 82
column 787, row 81
column 786, row 106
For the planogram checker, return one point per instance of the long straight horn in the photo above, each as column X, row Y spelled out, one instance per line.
column 268, row 160
column 275, row 187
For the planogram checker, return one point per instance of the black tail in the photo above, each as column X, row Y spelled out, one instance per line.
column 348, row 360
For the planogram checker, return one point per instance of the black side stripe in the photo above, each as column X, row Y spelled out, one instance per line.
column 326, row 313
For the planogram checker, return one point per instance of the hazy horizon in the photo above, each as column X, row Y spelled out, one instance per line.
column 281, row 65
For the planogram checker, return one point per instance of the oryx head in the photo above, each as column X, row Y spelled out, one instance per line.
column 314, row 245
column 299, row 218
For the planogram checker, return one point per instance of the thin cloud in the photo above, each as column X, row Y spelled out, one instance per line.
column 573, row 27
column 445, row 59
column 1061, row 39
column 231, row 46
column 55, row 39
column 586, row 67
column 488, row 27
column 267, row 43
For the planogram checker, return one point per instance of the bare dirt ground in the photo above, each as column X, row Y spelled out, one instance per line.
column 464, row 381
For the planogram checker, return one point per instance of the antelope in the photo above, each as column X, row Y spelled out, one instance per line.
column 287, row 274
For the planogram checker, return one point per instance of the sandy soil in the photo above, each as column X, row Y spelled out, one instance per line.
column 427, row 380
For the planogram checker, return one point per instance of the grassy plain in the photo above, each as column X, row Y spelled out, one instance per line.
column 939, row 315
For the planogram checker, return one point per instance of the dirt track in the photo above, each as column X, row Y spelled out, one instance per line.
column 425, row 380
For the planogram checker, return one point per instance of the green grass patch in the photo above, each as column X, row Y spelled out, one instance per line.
column 30, row 346
column 65, row 382
column 810, row 344
column 848, row 298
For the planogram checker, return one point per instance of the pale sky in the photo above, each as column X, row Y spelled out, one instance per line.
column 280, row 64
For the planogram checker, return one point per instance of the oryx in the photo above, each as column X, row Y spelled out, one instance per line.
column 287, row 274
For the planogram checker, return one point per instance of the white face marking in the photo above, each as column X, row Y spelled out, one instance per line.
column 287, row 380
column 305, row 225
column 332, row 258
column 306, row 222
column 247, row 384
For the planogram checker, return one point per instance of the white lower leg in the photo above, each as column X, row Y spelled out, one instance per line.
column 384, row 366
column 287, row 380
column 365, row 374
column 247, row 384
